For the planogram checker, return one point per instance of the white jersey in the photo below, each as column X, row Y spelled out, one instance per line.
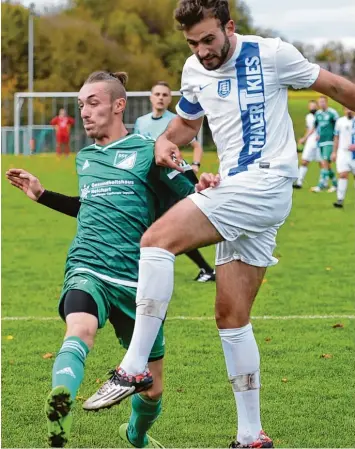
column 245, row 102
column 344, row 128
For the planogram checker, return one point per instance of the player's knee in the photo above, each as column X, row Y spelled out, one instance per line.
column 85, row 332
column 149, row 239
column 158, row 237
column 229, row 313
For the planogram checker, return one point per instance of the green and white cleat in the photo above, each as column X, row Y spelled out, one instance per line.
column 123, row 434
column 59, row 419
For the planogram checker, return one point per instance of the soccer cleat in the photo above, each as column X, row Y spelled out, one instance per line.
column 204, row 276
column 316, row 189
column 122, row 431
column 332, row 189
column 338, row 203
column 120, row 386
column 262, row 441
column 297, row 186
column 59, row 418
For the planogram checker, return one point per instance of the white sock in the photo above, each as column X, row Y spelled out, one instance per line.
column 242, row 357
column 155, row 282
column 341, row 190
column 301, row 174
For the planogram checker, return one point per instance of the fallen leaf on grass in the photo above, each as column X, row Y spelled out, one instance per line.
column 338, row 325
column 328, row 268
column 326, row 356
column 264, row 281
column 11, row 362
column 180, row 390
column 268, row 339
column 48, row 355
column 284, row 380
column 98, row 381
column 80, row 398
column 10, row 337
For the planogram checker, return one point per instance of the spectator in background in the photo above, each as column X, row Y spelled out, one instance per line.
column 62, row 124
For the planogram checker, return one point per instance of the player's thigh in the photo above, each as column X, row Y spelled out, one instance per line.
column 240, row 268
column 343, row 164
column 182, row 228
column 92, row 286
column 123, row 315
column 309, row 152
column 326, row 153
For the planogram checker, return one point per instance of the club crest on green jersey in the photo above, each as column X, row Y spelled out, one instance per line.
column 125, row 159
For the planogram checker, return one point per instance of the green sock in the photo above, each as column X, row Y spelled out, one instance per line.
column 68, row 368
column 145, row 412
column 324, row 178
column 332, row 177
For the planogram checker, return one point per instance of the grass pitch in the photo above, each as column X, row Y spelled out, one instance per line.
column 307, row 362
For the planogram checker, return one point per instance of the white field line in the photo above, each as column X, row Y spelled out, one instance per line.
column 202, row 318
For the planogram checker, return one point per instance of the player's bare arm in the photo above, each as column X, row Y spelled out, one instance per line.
column 307, row 134
column 179, row 132
column 197, row 155
column 335, row 148
column 336, row 87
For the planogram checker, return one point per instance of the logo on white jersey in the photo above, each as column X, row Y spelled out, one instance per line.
column 86, row 165
column 252, row 104
column 67, row 371
column 125, row 160
column 224, row 88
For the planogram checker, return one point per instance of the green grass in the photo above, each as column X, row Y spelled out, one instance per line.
column 307, row 400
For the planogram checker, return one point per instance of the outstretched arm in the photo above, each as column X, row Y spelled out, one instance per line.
column 32, row 187
column 336, row 87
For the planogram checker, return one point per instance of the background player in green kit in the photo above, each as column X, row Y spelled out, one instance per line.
column 153, row 125
column 118, row 183
column 324, row 124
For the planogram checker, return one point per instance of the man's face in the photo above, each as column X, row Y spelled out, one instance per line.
column 160, row 98
column 97, row 110
column 312, row 106
column 209, row 42
column 348, row 113
column 323, row 103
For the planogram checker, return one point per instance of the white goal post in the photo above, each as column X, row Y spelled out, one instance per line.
column 133, row 110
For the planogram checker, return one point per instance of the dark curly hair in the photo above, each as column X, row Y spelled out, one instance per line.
column 190, row 12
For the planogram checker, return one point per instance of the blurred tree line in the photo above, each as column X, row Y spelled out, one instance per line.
column 138, row 36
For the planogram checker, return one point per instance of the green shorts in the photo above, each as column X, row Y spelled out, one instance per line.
column 116, row 303
column 326, row 152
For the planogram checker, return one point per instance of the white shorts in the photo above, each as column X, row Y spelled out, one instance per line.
column 247, row 209
column 345, row 162
column 311, row 151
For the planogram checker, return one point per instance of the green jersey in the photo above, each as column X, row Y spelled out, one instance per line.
column 119, row 187
column 325, row 125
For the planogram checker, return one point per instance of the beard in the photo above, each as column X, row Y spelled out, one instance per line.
column 350, row 115
column 220, row 58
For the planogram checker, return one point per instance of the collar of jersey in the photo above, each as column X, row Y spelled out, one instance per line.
column 109, row 145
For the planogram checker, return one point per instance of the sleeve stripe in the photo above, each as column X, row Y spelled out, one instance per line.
column 189, row 108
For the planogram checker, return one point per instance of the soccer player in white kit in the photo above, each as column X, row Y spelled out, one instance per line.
column 240, row 83
column 311, row 150
column 344, row 152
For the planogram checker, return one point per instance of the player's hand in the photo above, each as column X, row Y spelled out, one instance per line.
column 207, row 180
column 26, row 182
column 352, row 147
column 167, row 154
column 333, row 156
column 301, row 141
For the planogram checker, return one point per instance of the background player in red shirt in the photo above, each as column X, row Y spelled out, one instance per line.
column 62, row 124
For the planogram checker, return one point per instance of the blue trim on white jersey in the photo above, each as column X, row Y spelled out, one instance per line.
column 251, row 95
column 189, row 108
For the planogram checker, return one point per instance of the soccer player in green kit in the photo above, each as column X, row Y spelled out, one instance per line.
column 119, row 194
column 324, row 124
